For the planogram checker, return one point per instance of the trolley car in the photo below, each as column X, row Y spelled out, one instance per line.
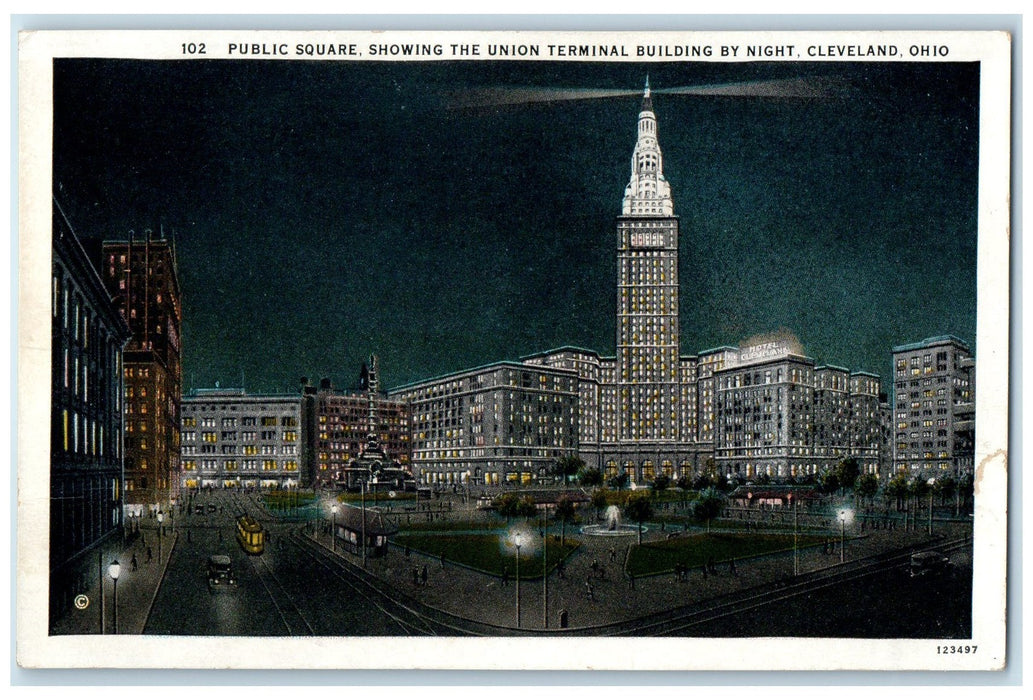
column 250, row 535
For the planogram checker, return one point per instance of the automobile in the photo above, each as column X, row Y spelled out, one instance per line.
column 927, row 563
column 220, row 572
column 212, row 508
column 198, row 510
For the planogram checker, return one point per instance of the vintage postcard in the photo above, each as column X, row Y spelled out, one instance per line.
column 501, row 350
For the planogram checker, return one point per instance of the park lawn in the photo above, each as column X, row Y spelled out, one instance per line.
column 420, row 524
column 382, row 497
column 485, row 552
column 695, row 550
column 282, row 500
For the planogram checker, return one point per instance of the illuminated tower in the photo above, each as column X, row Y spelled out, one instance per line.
column 647, row 299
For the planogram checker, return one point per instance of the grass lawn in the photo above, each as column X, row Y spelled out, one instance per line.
column 485, row 552
column 694, row 550
column 381, row 499
column 282, row 500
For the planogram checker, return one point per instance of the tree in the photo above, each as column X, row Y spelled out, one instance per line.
column 600, row 499
column 896, row 488
column 590, row 477
column 661, row 483
column 567, row 466
column 639, row 508
column 847, row 472
column 526, row 507
column 946, row 488
column 829, row 481
column 565, row 509
column 508, row 505
column 866, row 486
column 709, row 504
column 619, row 481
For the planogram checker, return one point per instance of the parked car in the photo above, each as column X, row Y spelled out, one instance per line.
column 220, row 572
column 928, row 563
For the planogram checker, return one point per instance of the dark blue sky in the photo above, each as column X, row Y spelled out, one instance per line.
column 324, row 211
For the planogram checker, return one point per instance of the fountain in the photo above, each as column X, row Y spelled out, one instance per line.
column 611, row 525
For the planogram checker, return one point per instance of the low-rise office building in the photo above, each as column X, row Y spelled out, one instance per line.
column 234, row 439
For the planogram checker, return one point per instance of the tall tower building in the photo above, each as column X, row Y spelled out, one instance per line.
column 647, row 377
column 141, row 276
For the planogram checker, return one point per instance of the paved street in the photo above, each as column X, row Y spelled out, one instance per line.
column 299, row 587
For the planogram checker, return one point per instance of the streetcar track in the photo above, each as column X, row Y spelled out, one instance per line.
column 671, row 626
column 286, row 596
column 408, row 628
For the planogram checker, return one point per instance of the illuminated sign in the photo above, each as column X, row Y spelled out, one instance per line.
column 765, row 351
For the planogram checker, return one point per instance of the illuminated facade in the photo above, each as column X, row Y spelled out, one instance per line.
column 234, row 439
column 140, row 274
column 934, row 407
column 503, row 423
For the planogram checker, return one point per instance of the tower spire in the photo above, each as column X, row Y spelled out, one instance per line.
column 648, row 192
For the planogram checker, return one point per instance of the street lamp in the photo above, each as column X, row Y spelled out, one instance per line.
column 545, row 572
column 931, row 483
column 114, row 569
column 362, row 488
column 842, row 536
column 333, row 529
column 161, row 517
column 517, row 542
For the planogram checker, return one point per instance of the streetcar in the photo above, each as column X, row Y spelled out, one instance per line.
column 250, row 535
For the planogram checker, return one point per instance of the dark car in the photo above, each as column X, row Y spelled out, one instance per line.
column 220, row 572
column 199, row 510
column 212, row 508
column 928, row 563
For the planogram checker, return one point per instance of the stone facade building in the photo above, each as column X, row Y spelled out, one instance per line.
column 86, row 451
column 934, row 407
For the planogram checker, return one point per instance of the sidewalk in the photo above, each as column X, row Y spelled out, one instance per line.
column 136, row 589
column 473, row 595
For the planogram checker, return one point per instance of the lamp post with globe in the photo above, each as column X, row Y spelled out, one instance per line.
column 114, row 569
column 517, row 541
column 333, row 528
column 932, row 484
column 161, row 519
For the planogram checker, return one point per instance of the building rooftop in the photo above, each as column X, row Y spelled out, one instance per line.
column 930, row 342
column 483, row 368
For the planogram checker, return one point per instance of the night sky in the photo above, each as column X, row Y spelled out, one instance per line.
column 323, row 211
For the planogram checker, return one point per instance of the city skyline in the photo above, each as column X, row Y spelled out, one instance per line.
column 387, row 211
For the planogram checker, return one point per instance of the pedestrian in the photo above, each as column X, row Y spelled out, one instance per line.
column 423, row 575
column 505, row 576
column 589, row 591
column 704, row 567
column 613, row 554
column 442, row 558
column 406, row 551
column 133, row 562
column 731, row 568
column 631, row 578
column 415, row 576
column 148, row 554
column 559, row 569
